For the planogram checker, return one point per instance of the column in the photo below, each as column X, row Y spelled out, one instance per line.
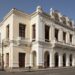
column 60, row 35
column 67, row 60
column 31, row 59
column 52, row 59
column 5, row 61
column 73, row 60
column 40, row 59
column 52, row 33
column 40, row 30
column 60, row 60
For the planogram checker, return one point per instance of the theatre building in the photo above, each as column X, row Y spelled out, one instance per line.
column 38, row 40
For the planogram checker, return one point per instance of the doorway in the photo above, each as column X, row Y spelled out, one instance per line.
column 7, row 59
column 46, row 59
column 64, row 60
column 56, row 59
column 21, row 60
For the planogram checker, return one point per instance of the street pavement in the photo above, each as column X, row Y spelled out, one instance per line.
column 54, row 71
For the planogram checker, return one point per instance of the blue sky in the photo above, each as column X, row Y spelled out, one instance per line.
column 66, row 7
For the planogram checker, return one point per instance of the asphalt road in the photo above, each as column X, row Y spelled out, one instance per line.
column 64, row 71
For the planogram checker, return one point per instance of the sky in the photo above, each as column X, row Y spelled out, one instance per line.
column 66, row 7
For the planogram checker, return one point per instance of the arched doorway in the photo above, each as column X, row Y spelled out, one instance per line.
column 70, row 59
column 56, row 59
column 64, row 60
column 34, row 58
column 46, row 59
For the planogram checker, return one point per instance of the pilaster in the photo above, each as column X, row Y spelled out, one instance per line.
column 60, row 60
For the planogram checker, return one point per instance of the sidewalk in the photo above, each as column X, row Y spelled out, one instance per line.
column 34, row 69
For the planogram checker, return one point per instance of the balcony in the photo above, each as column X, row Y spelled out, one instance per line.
column 23, row 41
column 59, row 44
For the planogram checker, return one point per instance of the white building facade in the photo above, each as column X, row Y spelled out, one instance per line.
column 38, row 40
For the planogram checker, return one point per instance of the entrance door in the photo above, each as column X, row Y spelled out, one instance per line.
column 21, row 59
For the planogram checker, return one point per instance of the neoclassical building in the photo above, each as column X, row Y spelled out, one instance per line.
column 37, row 40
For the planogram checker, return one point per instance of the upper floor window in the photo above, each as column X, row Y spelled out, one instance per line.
column 70, row 23
column 56, row 34
column 70, row 37
column 47, row 33
column 56, row 16
column 22, row 28
column 63, row 20
column 33, row 32
column 7, row 31
column 64, row 36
